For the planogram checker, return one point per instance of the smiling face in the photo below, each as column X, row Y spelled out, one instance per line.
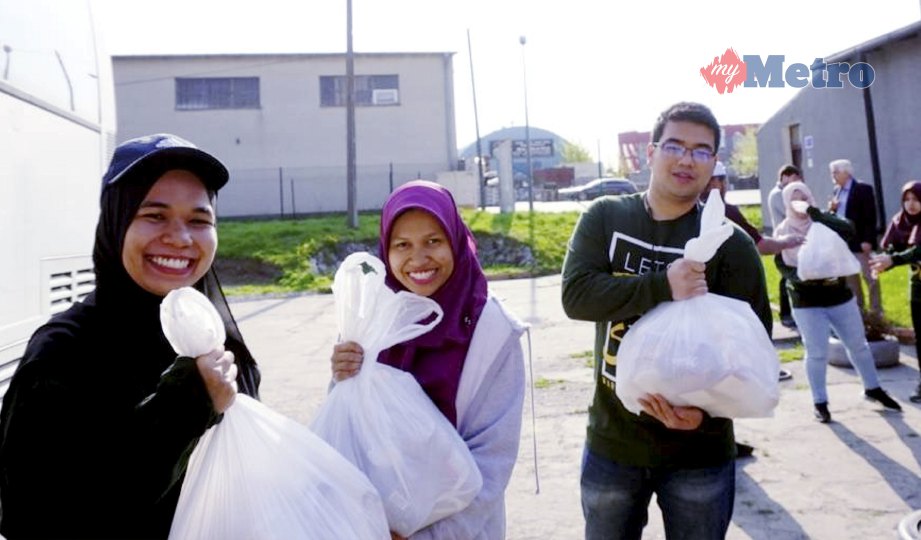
column 676, row 182
column 172, row 239
column 420, row 254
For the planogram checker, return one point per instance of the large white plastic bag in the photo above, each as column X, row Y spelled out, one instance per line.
column 825, row 255
column 261, row 475
column 709, row 351
column 258, row 474
column 381, row 420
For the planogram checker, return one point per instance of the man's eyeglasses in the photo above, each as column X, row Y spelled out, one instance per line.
column 677, row 151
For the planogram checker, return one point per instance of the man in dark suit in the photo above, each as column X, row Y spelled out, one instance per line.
column 855, row 201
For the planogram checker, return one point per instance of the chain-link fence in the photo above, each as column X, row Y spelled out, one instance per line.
column 290, row 191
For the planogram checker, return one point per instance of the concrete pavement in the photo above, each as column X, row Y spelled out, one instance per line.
column 854, row 478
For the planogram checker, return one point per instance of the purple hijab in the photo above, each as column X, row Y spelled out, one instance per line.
column 436, row 359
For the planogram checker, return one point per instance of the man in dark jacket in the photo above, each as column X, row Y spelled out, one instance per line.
column 855, row 201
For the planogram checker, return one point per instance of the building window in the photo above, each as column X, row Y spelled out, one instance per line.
column 193, row 94
column 370, row 90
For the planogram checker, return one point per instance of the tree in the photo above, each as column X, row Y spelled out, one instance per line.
column 744, row 158
column 574, row 153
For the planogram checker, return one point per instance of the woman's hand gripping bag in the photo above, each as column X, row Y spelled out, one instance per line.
column 825, row 255
column 259, row 474
column 381, row 420
column 709, row 351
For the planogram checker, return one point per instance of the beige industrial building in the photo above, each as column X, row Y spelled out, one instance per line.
column 278, row 121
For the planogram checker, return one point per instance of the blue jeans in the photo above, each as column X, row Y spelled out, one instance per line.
column 696, row 503
column 815, row 324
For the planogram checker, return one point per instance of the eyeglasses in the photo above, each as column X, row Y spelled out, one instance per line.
column 677, row 151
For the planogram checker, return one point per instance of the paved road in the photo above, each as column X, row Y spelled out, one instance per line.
column 738, row 197
column 854, row 478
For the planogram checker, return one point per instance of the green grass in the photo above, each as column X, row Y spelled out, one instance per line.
column 893, row 288
column 543, row 383
column 288, row 244
column 587, row 357
column 893, row 283
column 546, row 233
column 753, row 214
column 797, row 352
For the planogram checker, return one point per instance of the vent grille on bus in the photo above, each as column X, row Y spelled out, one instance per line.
column 66, row 288
column 67, row 280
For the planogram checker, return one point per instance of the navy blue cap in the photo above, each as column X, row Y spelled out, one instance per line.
column 153, row 155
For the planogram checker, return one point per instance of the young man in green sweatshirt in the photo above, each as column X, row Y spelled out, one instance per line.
column 624, row 258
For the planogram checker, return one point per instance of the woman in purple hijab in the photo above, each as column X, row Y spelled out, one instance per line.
column 470, row 365
column 903, row 246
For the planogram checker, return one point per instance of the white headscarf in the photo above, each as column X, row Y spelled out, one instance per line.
column 794, row 223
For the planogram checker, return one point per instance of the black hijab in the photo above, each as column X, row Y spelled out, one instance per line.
column 119, row 299
column 100, row 417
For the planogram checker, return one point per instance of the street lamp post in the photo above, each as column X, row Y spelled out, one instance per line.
column 351, row 169
column 600, row 174
column 527, row 127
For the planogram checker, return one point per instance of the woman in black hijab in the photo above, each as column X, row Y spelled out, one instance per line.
column 101, row 416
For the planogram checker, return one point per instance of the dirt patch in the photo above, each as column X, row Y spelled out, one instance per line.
column 246, row 271
column 491, row 250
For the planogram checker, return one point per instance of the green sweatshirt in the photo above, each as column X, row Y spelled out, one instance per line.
column 818, row 292
column 614, row 272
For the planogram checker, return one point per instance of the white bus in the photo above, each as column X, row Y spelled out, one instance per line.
column 57, row 132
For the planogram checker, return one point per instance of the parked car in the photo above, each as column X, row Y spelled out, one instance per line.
column 598, row 187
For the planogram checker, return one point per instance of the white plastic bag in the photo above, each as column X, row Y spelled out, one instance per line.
column 709, row 351
column 191, row 323
column 258, row 474
column 825, row 255
column 261, row 475
column 381, row 420
column 714, row 230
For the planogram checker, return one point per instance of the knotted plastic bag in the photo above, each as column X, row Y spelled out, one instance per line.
column 191, row 323
column 259, row 474
column 825, row 255
column 381, row 420
column 709, row 351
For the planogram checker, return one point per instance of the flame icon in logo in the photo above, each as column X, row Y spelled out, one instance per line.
column 725, row 73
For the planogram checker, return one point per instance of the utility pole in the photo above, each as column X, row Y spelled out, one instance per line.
column 600, row 175
column 527, row 127
column 351, row 173
column 476, row 123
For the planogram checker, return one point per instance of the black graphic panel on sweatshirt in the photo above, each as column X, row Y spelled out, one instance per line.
column 631, row 256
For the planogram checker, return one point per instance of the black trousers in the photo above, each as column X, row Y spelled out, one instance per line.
column 785, row 312
column 916, row 324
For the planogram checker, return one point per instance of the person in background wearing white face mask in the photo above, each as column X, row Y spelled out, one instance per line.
column 823, row 305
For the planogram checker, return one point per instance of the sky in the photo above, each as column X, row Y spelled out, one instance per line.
column 590, row 68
